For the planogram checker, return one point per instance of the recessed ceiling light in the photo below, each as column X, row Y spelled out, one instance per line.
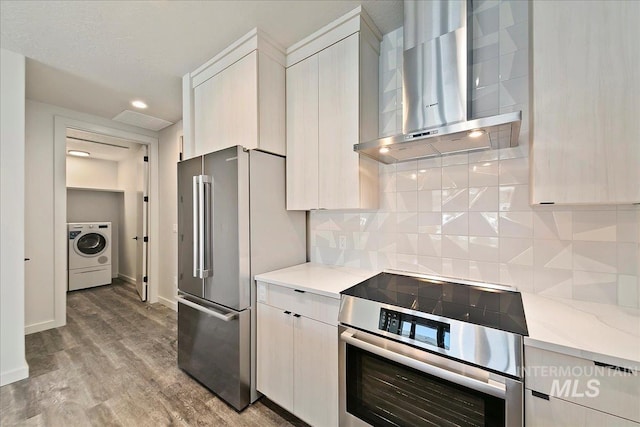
column 139, row 104
column 476, row 133
column 384, row 150
column 78, row 153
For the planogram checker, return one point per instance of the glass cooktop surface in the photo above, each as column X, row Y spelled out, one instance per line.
column 493, row 308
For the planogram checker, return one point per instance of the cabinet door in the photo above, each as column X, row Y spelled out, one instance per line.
column 338, row 98
column 275, row 355
column 540, row 412
column 315, row 372
column 586, row 85
column 225, row 108
column 585, row 383
column 302, row 135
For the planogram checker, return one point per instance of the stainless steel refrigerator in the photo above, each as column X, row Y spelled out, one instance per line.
column 232, row 225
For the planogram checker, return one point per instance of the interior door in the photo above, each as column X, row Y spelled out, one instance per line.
column 142, row 208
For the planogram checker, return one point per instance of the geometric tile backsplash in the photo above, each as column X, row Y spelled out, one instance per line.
column 468, row 215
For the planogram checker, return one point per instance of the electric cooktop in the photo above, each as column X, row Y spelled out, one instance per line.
column 473, row 303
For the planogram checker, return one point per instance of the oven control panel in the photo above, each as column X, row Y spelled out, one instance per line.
column 417, row 328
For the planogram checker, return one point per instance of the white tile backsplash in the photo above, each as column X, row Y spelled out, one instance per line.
column 516, row 224
column 484, row 249
column 455, row 223
column 483, row 199
column 483, row 174
column 456, row 176
column 455, row 199
column 430, row 245
column 430, row 201
column 601, row 287
column 514, row 198
column 514, row 171
column 468, row 215
column 483, row 224
column 595, row 225
column 407, row 201
column 595, row 256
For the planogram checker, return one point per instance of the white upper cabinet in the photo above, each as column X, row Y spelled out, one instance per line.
column 586, row 91
column 332, row 104
column 237, row 98
column 302, row 134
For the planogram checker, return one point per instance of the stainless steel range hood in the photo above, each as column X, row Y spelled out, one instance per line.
column 436, row 90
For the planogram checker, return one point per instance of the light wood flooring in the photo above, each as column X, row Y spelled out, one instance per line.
column 114, row 364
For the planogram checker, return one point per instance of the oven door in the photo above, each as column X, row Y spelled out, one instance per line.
column 386, row 383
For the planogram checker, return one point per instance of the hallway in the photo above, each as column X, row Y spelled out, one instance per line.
column 114, row 363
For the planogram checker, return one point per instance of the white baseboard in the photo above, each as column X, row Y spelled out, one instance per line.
column 171, row 303
column 127, row 278
column 39, row 327
column 14, row 375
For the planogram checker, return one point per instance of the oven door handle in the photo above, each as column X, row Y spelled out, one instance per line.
column 497, row 390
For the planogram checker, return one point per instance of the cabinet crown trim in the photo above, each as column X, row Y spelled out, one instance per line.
column 256, row 39
column 331, row 33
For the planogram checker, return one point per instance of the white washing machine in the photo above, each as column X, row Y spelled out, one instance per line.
column 89, row 254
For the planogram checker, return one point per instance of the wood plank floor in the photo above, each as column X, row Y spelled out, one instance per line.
column 114, row 364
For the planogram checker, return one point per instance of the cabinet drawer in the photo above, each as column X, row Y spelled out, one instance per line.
column 305, row 303
column 582, row 381
column 559, row 413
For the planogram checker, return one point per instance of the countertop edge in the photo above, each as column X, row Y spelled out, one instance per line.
column 311, row 290
column 580, row 353
column 312, row 277
column 586, row 330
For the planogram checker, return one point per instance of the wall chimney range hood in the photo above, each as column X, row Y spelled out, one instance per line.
column 436, row 90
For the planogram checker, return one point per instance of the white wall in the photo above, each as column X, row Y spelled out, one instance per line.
column 41, row 206
column 468, row 216
column 128, row 181
column 13, row 366
column 92, row 173
column 169, row 155
column 98, row 206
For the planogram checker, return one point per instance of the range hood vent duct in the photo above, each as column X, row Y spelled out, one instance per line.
column 436, row 90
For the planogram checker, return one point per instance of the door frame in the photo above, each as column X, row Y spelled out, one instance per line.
column 60, row 208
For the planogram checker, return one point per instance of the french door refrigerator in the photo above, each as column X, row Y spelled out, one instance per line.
column 232, row 225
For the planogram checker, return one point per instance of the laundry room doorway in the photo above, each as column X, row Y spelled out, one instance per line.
column 131, row 185
column 107, row 187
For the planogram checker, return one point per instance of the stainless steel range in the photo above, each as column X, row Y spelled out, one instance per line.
column 424, row 351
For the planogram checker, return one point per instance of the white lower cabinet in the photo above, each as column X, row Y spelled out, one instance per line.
column 315, row 372
column 540, row 412
column 275, row 355
column 564, row 390
column 297, row 356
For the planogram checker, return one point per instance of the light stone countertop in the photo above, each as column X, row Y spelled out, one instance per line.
column 600, row 332
column 605, row 333
column 327, row 280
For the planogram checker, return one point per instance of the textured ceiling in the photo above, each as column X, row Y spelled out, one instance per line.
column 97, row 56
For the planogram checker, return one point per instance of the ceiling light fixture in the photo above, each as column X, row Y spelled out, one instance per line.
column 139, row 104
column 384, row 150
column 78, row 153
column 476, row 133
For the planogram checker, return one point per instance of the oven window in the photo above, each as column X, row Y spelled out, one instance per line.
column 385, row 393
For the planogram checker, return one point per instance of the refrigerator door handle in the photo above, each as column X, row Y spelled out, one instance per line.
column 196, row 226
column 206, row 216
column 202, row 222
column 225, row 317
